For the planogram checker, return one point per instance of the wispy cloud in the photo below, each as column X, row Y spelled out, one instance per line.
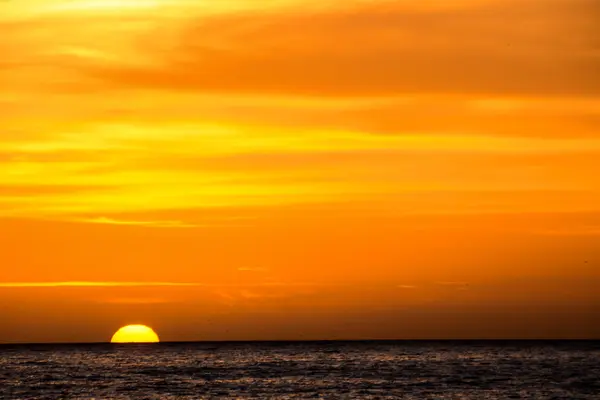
column 154, row 224
column 136, row 301
column 75, row 284
column 95, row 284
column 271, row 117
column 389, row 48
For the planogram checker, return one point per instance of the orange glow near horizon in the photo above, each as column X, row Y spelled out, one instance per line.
column 299, row 169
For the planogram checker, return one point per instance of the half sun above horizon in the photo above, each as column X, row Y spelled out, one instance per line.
column 135, row 334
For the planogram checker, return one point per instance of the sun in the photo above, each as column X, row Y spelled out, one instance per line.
column 135, row 334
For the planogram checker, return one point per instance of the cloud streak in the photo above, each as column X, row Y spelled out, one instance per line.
column 387, row 49
column 117, row 284
column 76, row 284
column 152, row 224
column 228, row 105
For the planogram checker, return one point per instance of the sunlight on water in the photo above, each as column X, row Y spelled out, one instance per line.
column 303, row 370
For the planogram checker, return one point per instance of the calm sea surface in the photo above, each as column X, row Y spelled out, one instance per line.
column 336, row 370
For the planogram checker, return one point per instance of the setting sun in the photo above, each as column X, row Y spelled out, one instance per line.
column 135, row 334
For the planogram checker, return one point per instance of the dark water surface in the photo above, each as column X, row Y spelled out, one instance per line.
column 303, row 370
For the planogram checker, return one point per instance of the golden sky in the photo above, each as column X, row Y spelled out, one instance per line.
column 299, row 169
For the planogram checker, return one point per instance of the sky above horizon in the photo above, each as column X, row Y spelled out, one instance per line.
column 299, row 169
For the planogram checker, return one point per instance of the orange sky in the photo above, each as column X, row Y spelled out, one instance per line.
column 299, row 169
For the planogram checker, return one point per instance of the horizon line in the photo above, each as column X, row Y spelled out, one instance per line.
column 275, row 341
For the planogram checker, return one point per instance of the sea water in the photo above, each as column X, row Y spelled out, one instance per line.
column 303, row 370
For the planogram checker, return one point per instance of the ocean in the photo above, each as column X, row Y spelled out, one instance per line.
column 304, row 370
